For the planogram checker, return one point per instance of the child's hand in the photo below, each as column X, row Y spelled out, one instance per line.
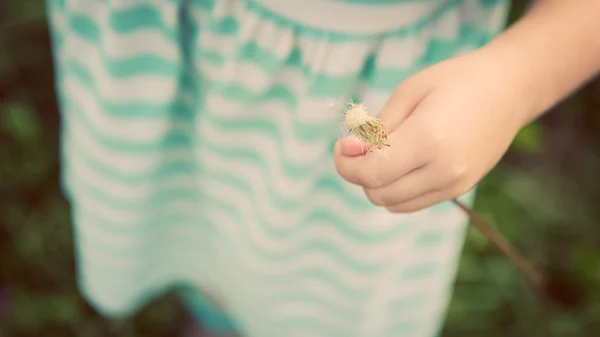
column 447, row 127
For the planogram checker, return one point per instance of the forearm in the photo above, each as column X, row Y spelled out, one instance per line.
column 551, row 51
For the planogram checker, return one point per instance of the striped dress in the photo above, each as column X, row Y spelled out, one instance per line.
column 197, row 155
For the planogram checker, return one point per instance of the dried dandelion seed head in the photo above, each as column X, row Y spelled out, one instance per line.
column 356, row 116
column 366, row 127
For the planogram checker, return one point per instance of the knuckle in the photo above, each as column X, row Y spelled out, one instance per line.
column 375, row 197
column 436, row 138
column 369, row 180
column 462, row 189
column 456, row 171
column 459, row 171
column 393, row 209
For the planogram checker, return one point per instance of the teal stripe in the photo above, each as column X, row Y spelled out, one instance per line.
column 227, row 26
column 85, row 28
column 137, row 17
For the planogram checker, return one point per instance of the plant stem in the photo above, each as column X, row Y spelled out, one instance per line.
column 533, row 277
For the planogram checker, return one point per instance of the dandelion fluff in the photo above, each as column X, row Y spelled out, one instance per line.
column 366, row 127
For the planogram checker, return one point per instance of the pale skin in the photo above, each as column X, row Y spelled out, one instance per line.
column 450, row 124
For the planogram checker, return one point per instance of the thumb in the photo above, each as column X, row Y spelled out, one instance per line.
column 350, row 146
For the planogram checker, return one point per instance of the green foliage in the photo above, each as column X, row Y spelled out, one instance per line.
column 19, row 122
column 529, row 139
column 542, row 197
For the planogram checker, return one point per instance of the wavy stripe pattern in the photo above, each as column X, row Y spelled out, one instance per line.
column 197, row 143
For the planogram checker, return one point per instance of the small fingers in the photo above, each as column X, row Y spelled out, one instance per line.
column 428, row 199
column 419, row 203
column 416, row 183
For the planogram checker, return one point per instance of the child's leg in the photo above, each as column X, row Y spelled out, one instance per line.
column 207, row 314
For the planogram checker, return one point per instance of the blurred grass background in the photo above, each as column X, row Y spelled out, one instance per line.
column 544, row 197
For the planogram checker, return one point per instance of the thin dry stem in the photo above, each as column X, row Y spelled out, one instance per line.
column 532, row 276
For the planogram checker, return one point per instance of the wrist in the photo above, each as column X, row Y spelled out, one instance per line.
column 549, row 53
column 513, row 67
column 511, row 81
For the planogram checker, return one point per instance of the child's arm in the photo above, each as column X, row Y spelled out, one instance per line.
column 553, row 49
